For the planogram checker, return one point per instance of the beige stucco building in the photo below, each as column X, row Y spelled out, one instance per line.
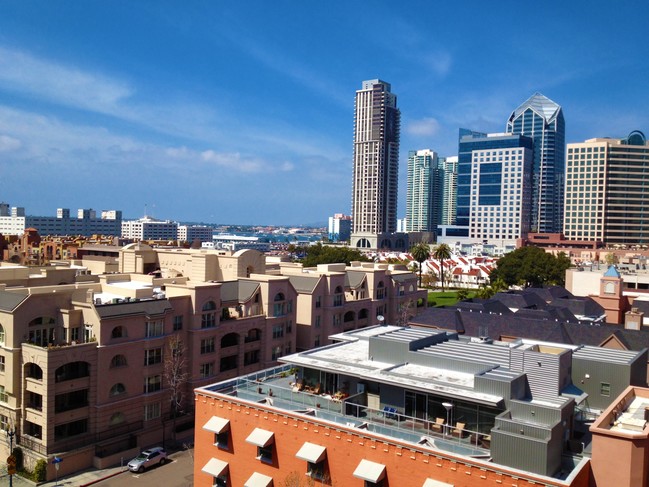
column 85, row 359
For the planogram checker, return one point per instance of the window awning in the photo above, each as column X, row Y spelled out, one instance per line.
column 217, row 425
column 260, row 437
column 258, row 480
column 370, row 471
column 311, row 452
column 436, row 483
column 215, row 467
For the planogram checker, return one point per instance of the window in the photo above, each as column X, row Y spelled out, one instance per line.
column 4, row 422
column 251, row 357
column 178, row 323
column 154, row 328
column 2, row 363
column 316, row 470
column 318, row 301
column 118, row 332
column 605, row 389
column 207, row 345
column 380, row 290
column 279, row 307
column 152, row 383
column 337, row 319
column 153, row 356
column 338, row 296
column 265, row 453
column 317, row 321
column 289, row 326
column 277, row 352
column 151, row 411
column 206, row 370
column 220, row 481
column 222, row 439
column 228, row 363
column 118, row 361
column 278, row 331
column 316, row 342
column 2, row 335
column 117, row 389
column 208, row 318
column 75, row 334
column 4, row 397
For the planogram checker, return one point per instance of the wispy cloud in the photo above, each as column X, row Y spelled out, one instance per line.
column 24, row 73
column 428, row 126
column 9, row 144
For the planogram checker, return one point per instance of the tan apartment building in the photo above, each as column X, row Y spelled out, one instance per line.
column 85, row 360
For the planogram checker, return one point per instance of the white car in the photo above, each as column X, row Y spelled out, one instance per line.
column 148, row 458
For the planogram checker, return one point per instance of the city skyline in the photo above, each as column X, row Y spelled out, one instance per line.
column 184, row 109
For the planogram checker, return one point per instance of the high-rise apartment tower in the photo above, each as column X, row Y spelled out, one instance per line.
column 424, row 186
column 376, row 164
column 542, row 119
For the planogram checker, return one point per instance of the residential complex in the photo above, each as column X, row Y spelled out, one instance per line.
column 607, row 190
column 85, row 359
column 375, row 175
column 13, row 221
column 542, row 119
column 424, row 187
column 392, row 405
column 148, row 228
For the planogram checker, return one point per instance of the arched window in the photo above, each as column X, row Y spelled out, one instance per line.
column 380, row 290
column 208, row 319
column 279, row 307
column 117, row 389
column 117, row 418
column 349, row 316
column 118, row 361
column 118, row 332
column 338, row 296
column 230, row 340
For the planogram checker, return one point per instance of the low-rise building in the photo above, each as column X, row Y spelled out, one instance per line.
column 409, row 406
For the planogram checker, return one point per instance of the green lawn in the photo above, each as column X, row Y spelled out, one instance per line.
column 446, row 298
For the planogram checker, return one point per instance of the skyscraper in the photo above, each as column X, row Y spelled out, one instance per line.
column 542, row 119
column 448, row 170
column 607, row 190
column 376, row 164
column 424, row 187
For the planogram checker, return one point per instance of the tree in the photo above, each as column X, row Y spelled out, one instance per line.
column 442, row 252
column 326, row 254
column 531, row 267
column 420, row 252
column 176, row 376
column 405, row 313
column 462, row 294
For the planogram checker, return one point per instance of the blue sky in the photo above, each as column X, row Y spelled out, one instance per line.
column 242, row 112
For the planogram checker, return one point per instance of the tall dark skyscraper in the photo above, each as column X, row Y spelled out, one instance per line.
column 542, row 119
column 376, row 164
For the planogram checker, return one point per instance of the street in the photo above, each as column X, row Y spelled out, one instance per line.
column 177, row 473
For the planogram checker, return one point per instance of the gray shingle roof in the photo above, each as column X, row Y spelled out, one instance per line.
column 10, row 301
column 238, row 291
column 149, row 307
column 304, row 284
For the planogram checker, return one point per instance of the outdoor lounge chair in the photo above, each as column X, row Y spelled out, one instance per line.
column 458, row 430
column 438, row 425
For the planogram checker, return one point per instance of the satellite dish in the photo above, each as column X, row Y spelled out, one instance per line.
column 380, row 319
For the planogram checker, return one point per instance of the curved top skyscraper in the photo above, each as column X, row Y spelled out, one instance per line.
column 542, row 119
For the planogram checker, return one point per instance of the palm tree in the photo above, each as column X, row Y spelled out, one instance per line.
column 420, row 252
column 442, row 252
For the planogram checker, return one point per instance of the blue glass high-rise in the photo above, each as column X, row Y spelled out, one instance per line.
column 542, row 119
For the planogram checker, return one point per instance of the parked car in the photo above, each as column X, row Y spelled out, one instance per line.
column 148, row 458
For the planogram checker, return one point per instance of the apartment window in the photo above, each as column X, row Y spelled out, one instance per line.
column 317, row 321
column 316, row 470
column 265, row 453
column 151, row 411
column 208, row 318
column 4, row 397
column 251, row 357
column 337, row 319
column 277, row 352
column 75, row 334
column 318, row 301
column 278, row 331
column 287, row 348
column 316, row 342
column 207, row 345
column 2, row 335
column 154, row 328
column 338, row 296
column 605, row 389
column 178, row 323
column 289, row 326
column 153, row 383
column 2, row 363
column 380, row 290
column 4, row 422
column 118, row 332
column 153, row 356
column 117, row 389
column 118, row 361
column 206, row 370
column 279, row 306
